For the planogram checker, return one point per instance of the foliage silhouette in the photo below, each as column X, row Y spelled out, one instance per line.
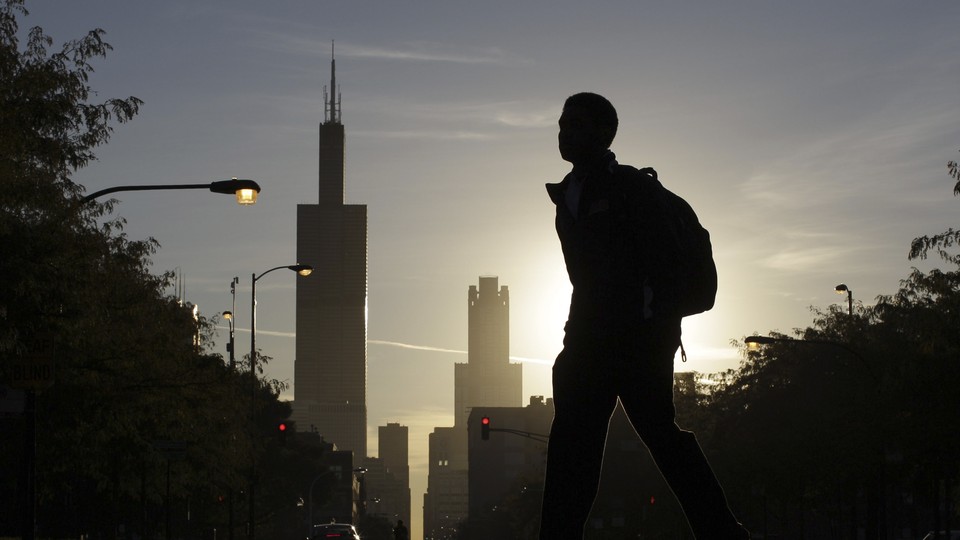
column 132, row 373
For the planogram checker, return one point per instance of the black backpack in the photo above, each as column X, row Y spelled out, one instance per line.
column 681, row 254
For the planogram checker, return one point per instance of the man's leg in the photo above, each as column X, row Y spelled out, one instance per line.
column 687, row 471
column 647, row 396
column 582, row 408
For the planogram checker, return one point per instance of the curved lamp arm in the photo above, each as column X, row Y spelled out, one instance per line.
column 245, row 190
column 754, row 341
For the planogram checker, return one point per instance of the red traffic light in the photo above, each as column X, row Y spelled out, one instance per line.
column 282, row 429
column 485, row 420
column 485, row 428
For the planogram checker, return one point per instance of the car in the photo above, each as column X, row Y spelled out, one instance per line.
column 335, row 531
column 953, row 535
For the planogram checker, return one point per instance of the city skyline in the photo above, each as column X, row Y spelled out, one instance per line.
column 811, row 139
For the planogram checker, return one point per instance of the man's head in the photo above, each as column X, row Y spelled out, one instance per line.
column 588, row 125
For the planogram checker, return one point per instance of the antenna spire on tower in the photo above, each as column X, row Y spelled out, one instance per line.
column 332, row 101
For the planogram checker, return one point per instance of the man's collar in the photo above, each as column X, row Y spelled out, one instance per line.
column 602, row 164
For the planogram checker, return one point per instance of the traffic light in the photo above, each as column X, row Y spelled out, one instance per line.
column 485, row 428
column 282, row 432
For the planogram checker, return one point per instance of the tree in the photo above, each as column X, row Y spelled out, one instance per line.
column 130, row 369
column 945, row 240
column 141, row 417
column 815, row 431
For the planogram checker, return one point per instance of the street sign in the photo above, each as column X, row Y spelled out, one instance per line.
column 31, row 371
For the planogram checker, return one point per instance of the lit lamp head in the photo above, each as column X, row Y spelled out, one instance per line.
column 841, row 289
column 246, row 197
column 754, row 342
column 302, row 269
column 245, row 190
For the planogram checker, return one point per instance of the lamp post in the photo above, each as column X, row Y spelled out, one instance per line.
column 245, row 190
column 228, row 315
column 231, row 348
column 303, row 270
column 840, row 289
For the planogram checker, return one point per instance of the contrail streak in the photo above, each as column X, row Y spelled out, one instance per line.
column 398, row 345
column 415, row 347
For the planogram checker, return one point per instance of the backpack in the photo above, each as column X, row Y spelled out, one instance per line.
column 682, row 256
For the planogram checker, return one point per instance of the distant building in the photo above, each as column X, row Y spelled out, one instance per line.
column 446, row 500
column 330, row 371
column 387, row 480
column 488, row 379
column 334, row 492
column 508, row 460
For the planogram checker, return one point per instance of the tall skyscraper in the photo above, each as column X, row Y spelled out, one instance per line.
column 330, row 372
column 488, row 379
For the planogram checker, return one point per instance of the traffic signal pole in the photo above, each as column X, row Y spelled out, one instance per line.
column 485, row 430
column 29, row 473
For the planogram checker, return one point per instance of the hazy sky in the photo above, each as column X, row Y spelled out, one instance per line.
column 811, row 138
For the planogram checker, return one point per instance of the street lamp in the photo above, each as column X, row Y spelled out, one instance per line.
column 303, row 270
column 231, row 347
column 840, row 289
column 228, row 315
column 245, row 190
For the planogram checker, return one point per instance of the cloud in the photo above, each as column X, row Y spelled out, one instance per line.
column 301, row 42
column 806, row 259
column 486, row 115
column 426, row 52
column 870, row 160
column 437, row 135
column 546, row 117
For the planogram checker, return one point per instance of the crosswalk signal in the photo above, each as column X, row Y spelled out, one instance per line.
column 485, row 428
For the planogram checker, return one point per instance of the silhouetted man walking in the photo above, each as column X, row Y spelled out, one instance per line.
column 615, row 225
